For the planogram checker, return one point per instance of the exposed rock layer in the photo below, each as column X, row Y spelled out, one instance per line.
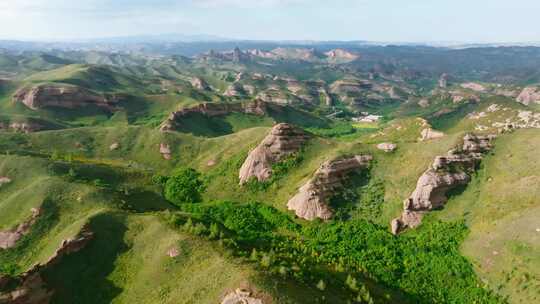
column 529, row 95
column 240, row 296
column 30, row 287
column 312, row 199
column 446, row 173
column 257, row 107
column 24, row 127
column 70, row 97
column 8, row 239
column 283, row 140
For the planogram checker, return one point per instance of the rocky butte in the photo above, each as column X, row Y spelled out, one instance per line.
column 283, row 140
column 447, row 172
column 312, row 199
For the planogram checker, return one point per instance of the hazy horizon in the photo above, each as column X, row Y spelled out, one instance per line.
column 417, row 21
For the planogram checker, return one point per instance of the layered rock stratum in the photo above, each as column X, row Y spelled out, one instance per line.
column 446, row 173
column 30, row 287
column 312, row 199
column 282, row 141
column 64, row 96
column 257, row 107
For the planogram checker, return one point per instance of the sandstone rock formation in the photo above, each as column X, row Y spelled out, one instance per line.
column 283, row 140
column 446, row 173
column 30, row 287
column 429, row 133
column 173, row 252
column 341, row 55
column 240, row 296
column 312, row 199
column 474, row 86
column 351, row 90
column 387, row 147
column 529, row 95
column 424, row 103
column 165, row 151
column 9, row 238
column 4, row 180
column 275, row 95
column 235, row 90
column 200, row 84
column 63, row 96
column 114, row 146
column 27, row 126
column 257, row 107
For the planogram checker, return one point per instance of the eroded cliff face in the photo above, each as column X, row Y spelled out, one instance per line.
column 9, row 238
column 283, row 140
column 62, row 96
column 446, row 173
column 30, row 287
column 257, row 107
column 312, row 199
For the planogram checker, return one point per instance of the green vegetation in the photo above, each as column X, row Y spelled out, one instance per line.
column 184, row 229
column 184, row 186
column 417, row 264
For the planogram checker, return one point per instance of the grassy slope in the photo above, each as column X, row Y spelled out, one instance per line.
column 502, row 209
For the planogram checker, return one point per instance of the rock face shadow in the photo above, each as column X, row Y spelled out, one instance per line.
column 82, row 277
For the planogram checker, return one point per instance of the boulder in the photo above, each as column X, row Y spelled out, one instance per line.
column 446, row 173
column 387, row 147
column 4, row 180
column 114, row 146
column 64, row 96
column 312, row 199
column 240, row 296
column 283, row 140
column 165, row 151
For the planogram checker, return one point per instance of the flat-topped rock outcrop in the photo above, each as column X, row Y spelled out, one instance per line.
column 283, row 140
column 447, row 172
column 312, row 199
column 62, row 96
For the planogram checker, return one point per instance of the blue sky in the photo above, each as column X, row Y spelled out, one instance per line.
column 374, row 20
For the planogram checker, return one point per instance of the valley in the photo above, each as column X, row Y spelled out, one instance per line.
column 262, row 173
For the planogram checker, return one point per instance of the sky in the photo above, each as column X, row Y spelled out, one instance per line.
column 372, row 20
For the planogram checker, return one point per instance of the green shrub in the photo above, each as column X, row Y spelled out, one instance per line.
column 184, row 186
